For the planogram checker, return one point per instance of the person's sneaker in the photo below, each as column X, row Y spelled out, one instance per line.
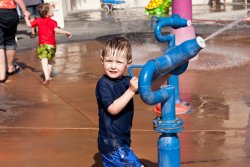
column 32, row 35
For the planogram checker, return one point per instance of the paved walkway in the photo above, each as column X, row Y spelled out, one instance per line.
column 56, row 125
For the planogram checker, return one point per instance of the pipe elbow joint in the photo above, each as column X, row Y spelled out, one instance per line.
column 153, row 97
column 147, row 75
column 175, row 21
column 158, row 33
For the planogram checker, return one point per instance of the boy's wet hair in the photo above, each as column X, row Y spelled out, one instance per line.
column 117, row 46
column 43, row 9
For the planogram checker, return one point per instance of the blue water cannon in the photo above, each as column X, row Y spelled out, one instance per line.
column 173, row 61
column 163, row 65
column 175, row 22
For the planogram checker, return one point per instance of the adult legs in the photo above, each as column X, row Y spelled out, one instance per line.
column 8, row 28
column 2, row 65
column 10, row 56
column 8, row 43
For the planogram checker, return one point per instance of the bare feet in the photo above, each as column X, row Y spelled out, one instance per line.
column 46, row 82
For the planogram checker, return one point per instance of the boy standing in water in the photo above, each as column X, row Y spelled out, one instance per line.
column 114, row 94
column 46, row 33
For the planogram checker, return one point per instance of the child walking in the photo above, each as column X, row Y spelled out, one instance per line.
column 114, row 94
column 47, row 28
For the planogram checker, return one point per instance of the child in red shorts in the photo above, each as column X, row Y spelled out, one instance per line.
column 47, row 28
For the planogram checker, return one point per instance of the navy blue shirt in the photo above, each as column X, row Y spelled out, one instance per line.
column 114, row 130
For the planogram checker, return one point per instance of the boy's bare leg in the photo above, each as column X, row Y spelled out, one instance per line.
column 2, row 65
column 49, row 70
column 45, row 70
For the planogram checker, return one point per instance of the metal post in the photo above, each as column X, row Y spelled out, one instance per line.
column 169, row 150
column 168, row 142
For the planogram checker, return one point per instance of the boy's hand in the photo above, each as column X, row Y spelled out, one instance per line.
column 134, row 84
column 69, row 34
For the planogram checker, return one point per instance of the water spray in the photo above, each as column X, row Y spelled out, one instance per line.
column 229, row 26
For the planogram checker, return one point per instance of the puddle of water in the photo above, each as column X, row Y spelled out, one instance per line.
column 216, row 85
column 211, row 88
column 7, row 105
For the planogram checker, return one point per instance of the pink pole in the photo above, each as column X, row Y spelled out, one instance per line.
column 184, row 9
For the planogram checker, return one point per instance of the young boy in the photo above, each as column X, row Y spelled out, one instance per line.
column 46, row 33
column 114, row 94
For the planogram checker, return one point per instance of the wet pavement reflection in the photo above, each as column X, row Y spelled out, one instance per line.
column 216, row 84
column 60, row 122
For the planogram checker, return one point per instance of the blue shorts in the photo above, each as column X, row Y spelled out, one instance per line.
column 121, row 157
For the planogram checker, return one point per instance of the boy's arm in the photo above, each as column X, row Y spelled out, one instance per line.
column 60, row 31
column 117, row 106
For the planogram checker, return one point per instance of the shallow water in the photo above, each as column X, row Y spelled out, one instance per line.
column 216, row 85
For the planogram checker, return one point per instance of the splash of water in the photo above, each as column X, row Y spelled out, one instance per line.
column 229, row 26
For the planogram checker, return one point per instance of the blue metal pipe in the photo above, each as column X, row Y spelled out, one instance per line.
column 173, row 80
column 169, row 150
column 174, row 61
column 175, row 21
column 168, row 125
column 168, row 106
column 162, row 65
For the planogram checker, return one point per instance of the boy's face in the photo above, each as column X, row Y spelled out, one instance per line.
column 51, row 11
column 115, row 67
